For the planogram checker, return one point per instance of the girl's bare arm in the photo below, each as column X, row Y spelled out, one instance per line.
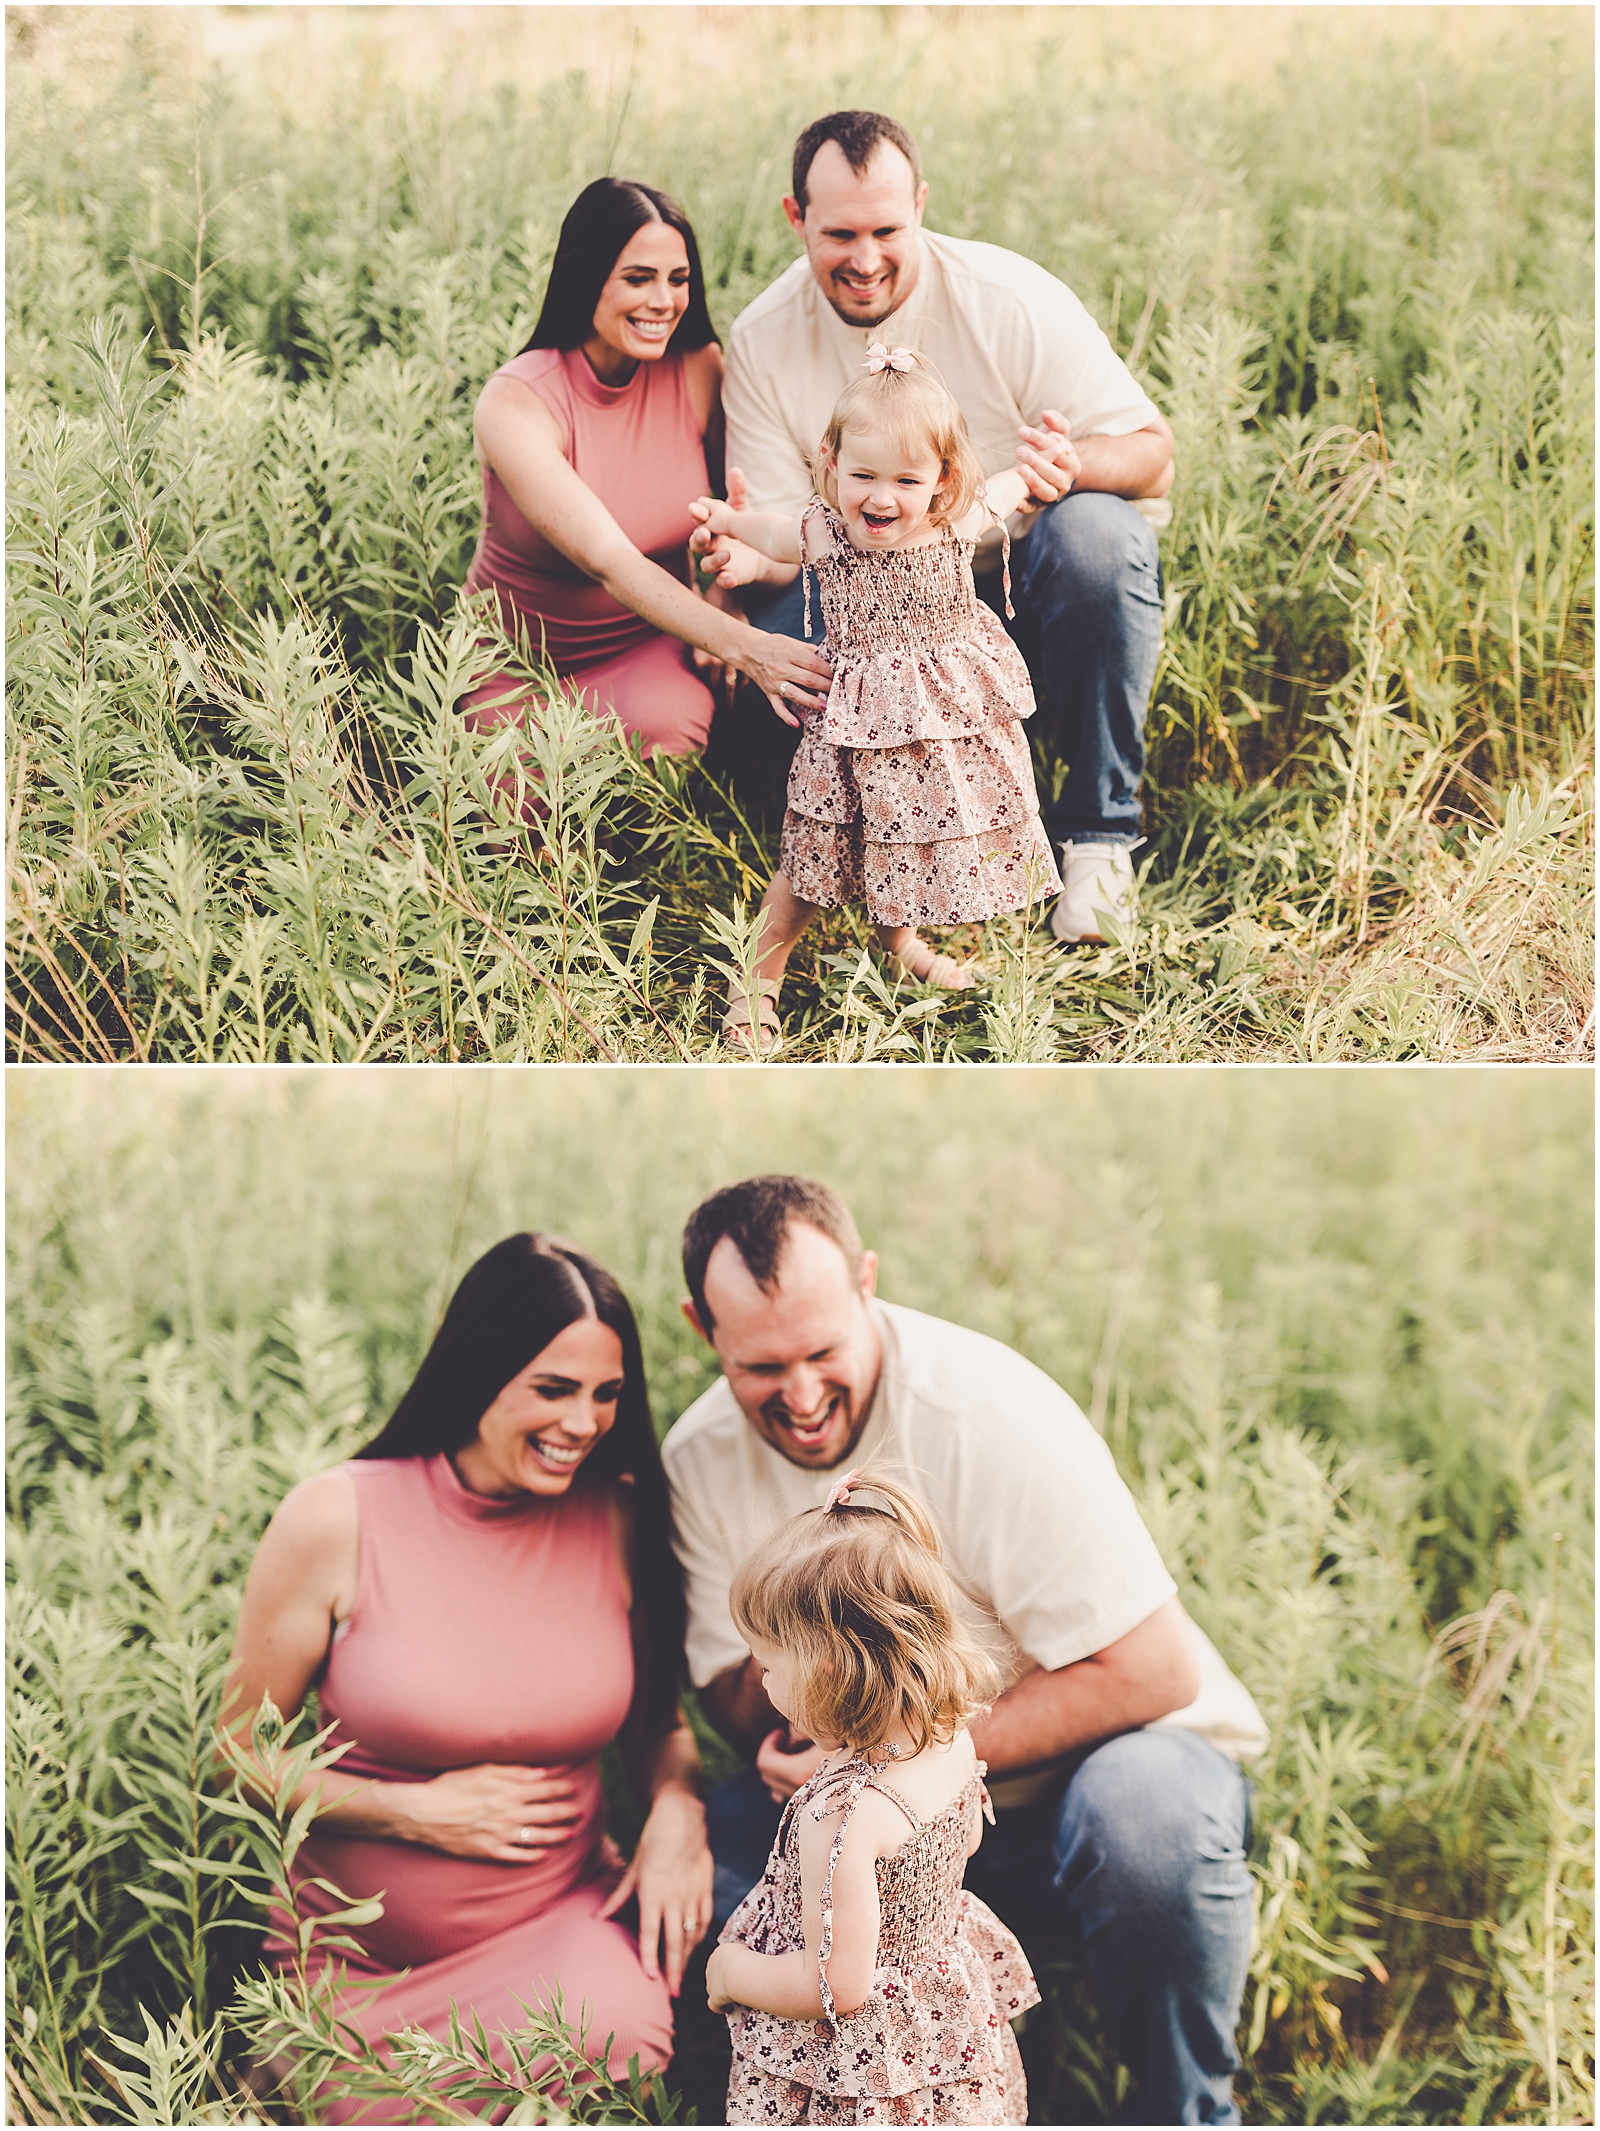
column 1003, row 494
column 789, row 1984
column 776, row 538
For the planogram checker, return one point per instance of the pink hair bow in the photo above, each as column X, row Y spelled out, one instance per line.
column 881, row 358
column 840, row 1491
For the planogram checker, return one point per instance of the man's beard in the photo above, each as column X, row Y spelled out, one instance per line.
column 878, row 317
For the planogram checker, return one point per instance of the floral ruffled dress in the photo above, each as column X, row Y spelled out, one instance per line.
column 932, row 2044
column 913, row 791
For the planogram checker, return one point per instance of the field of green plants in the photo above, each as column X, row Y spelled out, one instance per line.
column 1336, row 1327
column 259, row 263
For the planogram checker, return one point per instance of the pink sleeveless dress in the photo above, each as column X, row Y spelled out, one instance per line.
column 913, row 792
column 638, row 448
column 483, row 1630
column 932, row 2043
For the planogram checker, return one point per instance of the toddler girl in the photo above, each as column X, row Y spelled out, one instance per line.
column 913, row 790
column 863, row 1985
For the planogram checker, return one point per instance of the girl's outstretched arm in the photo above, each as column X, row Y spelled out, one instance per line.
column 776, row 538
column 1003, row 494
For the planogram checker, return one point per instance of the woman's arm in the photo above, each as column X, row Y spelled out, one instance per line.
column 789, row 1984
column 671, row 1869
column 302, row 1583
column 518, row 436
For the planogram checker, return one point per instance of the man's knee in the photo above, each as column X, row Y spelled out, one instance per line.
column 1091, row 550
column 1153, row 1823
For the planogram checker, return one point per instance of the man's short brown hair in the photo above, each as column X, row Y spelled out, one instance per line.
column 756, row 1216
column 859, row 135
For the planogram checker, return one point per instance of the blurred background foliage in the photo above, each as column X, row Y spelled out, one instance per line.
column 1349, row 251
column 1336, row 1328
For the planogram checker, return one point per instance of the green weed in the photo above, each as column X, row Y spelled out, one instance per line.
column 249, row 306
column 1336, row 1330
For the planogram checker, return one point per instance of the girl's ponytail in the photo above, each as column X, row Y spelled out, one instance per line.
column 910, row 1512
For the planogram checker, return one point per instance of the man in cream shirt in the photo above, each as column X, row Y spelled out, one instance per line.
column 1113, row 1752
column 1025, row 360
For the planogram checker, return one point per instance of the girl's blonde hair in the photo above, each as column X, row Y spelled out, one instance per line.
column 859, row 1602
column 913, row 409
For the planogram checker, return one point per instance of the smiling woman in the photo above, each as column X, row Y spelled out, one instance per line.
column 592, row 442
column 483, row 1598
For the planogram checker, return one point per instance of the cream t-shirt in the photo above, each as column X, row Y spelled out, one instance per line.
column 1048, row 1553
column 1007, row 338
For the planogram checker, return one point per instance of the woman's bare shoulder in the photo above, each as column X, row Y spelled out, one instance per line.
column 619, row 1503
column 704, row 362
column 511, row 400
column 311, row 1549
column 702, row 377
column 319, row 1512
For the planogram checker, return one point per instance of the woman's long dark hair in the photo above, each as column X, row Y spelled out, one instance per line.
column 508, row 1308
column 599, row 223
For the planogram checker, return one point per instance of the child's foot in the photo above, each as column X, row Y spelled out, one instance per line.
column 915, row 958
column 752, row 1025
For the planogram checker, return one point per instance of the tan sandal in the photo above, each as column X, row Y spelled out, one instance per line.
column 924, row 965
column 757, row 1037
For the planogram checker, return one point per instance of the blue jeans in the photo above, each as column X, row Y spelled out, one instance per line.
column 1087, row 590
column 1140, row 1857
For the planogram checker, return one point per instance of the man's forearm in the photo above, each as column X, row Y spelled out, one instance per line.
column 737, row 1707
column 1147, row 1674
column 1135, row 466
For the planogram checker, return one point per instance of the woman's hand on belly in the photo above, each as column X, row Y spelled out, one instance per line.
column 495, row 1813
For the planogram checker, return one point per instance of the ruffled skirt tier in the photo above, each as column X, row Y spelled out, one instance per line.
column 931, row 2045
column 914, row 791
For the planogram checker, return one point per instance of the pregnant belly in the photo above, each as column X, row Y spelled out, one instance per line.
column 435, row 1904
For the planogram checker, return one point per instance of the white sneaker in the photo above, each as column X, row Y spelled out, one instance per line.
column 1097, row 883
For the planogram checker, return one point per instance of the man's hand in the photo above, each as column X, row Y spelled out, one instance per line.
column 784, row 1762
column 1048, row 460
column 729, row 562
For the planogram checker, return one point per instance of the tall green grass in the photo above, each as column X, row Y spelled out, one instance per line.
column 257, row 275
column 1335, row 1328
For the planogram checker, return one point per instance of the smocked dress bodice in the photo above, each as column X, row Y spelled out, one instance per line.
column 884, row 599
